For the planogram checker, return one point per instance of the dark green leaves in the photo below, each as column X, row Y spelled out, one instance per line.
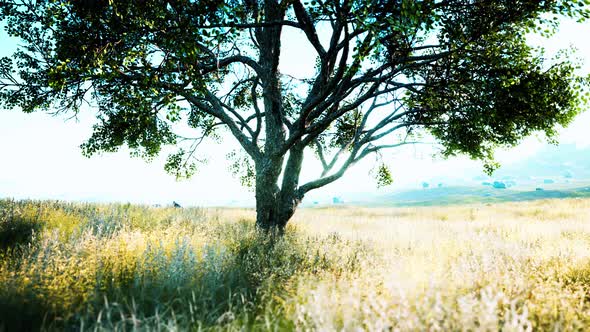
column 143, row 132
column 493, row 94
column 131, row 59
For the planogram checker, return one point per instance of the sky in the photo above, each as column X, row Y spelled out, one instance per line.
column 40, row 156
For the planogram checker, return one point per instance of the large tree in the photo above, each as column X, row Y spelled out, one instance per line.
column 386, row 73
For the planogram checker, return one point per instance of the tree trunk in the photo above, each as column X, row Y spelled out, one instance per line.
column 273, row 213
column 267, row 209
column 268, row 166
column 267, row 193
column 274, row 205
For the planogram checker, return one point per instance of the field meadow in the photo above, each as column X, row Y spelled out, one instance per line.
column 510, row 266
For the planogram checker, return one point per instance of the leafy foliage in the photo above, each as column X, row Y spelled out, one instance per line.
column 346, row 129
column 503, row 97
column 177, row 165
column 241, row 166
column 383, row 176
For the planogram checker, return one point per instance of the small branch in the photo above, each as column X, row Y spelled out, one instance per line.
column 320, row 150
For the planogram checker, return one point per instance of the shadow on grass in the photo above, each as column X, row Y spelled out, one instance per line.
column 238, row 282
column 16, row 231
column 21, row 313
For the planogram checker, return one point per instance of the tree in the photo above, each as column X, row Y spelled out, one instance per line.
column 387, row 72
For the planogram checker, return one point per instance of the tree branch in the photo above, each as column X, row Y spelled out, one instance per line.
column 307, row 26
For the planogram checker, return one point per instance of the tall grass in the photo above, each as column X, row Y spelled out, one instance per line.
column 514, row 267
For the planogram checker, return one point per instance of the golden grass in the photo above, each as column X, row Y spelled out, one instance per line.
column 510, row 267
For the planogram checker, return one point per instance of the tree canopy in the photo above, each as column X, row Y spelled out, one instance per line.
column 386, row 73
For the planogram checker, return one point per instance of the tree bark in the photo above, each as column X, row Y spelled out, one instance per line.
column 274, row 205
column 267, row 193
column 273, row 212
column 271, row 215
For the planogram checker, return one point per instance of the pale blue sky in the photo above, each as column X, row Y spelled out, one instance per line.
column 40, row 156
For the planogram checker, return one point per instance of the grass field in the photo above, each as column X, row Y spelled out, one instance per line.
column 510, row 266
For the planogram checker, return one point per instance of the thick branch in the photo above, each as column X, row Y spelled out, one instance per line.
column 308, row 27
column 216, row 109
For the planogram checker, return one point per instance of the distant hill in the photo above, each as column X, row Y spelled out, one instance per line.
column 566, row 160
column 466, row 195
column 553, row 172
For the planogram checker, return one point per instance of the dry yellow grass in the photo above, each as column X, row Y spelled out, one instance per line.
column 510, row 267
